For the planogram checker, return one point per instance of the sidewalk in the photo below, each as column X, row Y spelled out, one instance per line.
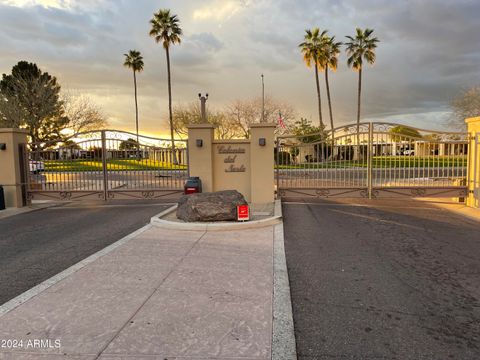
column 162, row 294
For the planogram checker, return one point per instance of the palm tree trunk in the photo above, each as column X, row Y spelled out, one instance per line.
column 170, row 115
column 319, row 107
column 319, row 99
column 358, row 111
column 330, row 109
column 136, row 113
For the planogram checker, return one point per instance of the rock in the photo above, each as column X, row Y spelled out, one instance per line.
column 214, row 206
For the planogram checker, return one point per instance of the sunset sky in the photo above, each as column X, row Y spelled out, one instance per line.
column 428, row 52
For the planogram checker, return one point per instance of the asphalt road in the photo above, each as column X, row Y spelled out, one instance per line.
column 37, row 245
column 383, row 279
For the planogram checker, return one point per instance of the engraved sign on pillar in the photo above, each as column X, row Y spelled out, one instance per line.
column 231, row 158
column 222, row 149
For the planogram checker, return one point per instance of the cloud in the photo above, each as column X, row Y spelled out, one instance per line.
column 429, row 50
column 220, row 10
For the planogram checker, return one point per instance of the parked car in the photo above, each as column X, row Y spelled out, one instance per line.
column 36, row 166
column 409, row 152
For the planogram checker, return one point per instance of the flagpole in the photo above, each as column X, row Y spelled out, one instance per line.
column 263, row 100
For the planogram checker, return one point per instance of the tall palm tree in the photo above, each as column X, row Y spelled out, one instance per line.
column 134, row 61
column 359, row 48
column 331, row 50
column 312, row 50
column 166, row 29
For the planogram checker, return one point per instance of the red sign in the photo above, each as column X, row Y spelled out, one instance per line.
column 243, row 213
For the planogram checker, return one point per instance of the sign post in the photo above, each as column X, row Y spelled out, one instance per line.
column 243, row 213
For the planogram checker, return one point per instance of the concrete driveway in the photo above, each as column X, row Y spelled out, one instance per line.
column 37, row 245
column 383, row 279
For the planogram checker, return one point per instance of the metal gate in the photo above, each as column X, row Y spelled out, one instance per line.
column 105, row 164
column 372, row 160
column 475, row 156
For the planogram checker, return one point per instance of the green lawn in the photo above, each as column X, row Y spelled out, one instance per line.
column 112, row 165
column 387, row 162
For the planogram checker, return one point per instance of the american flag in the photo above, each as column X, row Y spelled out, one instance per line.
column 280, row 120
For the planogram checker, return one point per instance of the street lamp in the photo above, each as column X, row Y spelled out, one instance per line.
column 263, row 100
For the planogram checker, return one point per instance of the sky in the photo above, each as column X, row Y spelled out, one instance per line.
column 429, row 51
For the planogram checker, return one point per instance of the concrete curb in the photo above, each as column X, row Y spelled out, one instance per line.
column 27, row 295
column 457, row 208
column 172, row 225
column 9, row 212
column 283, row 337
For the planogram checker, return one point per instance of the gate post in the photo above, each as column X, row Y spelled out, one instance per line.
column 369, row 160
column 473, row 166
column 11, row 166
column 262, row 163
column 104, row 165
column 200, row 154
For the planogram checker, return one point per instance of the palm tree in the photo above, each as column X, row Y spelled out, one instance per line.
column 330, row 58
column 359, row 48
column 166, row 29
column 134, row 61
column 312, row 50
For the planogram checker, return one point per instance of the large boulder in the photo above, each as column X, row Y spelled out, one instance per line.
column 214, row 206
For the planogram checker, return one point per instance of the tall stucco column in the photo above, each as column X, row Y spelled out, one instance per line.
column 473, row 198
column 11, row 166
column 262, row 165
column 200, row 153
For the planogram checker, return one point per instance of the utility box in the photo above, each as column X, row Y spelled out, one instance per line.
column 192, row 185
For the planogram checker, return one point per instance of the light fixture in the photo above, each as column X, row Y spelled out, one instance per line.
column 199, row 142
column 262, row 142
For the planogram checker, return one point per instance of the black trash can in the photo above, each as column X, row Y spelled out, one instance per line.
column 192, row 185
column 2, row 198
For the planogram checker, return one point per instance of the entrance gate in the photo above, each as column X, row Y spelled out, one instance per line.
column 476, row 168
column 106, row 165
column 373, row 160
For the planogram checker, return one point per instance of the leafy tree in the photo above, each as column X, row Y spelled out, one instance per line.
column 360, row 47
column 306, row 132
column 166, row 29
column 30, row 98
column 129, row 144
column 331, row 50
column 313, row 52
column 404, row 133
column 134, row 61
column 465, row 105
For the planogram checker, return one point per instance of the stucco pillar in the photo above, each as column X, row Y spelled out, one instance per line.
column 12, row 169
column 262, row 163
column 473, row 198
column 200, row 153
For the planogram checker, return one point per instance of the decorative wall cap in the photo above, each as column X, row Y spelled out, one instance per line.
column 13, row 130
column 472, row 119
column 231, row 141
column 263, row 125
column 201, row 126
